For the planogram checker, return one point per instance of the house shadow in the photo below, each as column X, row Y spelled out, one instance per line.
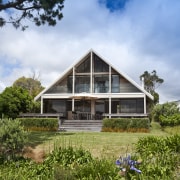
column 36, row 138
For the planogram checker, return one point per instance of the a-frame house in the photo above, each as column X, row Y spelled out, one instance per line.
column 92, row 89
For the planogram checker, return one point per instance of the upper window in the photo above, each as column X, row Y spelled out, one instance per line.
column 115, row 83
column 82, row 84
column 101, row 83
column 84, row 67
column 63, row 86
column 100, row 65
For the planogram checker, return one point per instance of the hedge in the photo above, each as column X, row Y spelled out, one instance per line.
column 126, row 125
column 39, row 124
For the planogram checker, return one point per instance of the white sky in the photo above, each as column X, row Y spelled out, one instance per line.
column 141, row 36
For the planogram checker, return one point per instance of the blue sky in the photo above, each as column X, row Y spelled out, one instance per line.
column 114, row 5
column 133, row 35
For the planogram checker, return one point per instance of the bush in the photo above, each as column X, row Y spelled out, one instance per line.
column 160, row 156
column 172, row 120
column 39, row 124
column 126, row 124
column 166, row 109
column 12, row 138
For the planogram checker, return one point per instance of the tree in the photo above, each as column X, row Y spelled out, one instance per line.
column 38, row 11
column 166, row 109
column 13, row 101
column 32, row 85
column 152, row 82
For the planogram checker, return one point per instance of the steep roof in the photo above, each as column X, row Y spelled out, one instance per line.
column 80, row 60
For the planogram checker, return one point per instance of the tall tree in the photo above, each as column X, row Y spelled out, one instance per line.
column 151, row 82
column 38, row 11
column 32, row 85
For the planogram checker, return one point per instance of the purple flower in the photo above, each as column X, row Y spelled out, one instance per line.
column 135, row 169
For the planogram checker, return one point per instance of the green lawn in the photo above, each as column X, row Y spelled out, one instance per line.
column 100, row 144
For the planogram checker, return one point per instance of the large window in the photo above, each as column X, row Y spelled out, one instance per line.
column 84, row 67
column 101, row 83
column 82, row 84
column 54, row 106
column 115, row 88
column 100, row 107
column 63, row 86
column 132, row 106
column 83, row 105
column 100, row 65
column 127, row 105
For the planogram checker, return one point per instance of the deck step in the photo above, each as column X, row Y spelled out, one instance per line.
column 81, row 125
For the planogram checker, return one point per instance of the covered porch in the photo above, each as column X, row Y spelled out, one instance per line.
column 88, row 107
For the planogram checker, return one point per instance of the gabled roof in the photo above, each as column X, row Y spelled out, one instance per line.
column 81, row 59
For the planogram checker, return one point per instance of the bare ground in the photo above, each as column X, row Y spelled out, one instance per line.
column 37, row 154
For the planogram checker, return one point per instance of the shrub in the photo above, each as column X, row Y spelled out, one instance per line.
column 172, row 120
column 160, row 156
column 126, row 124
column 40, row 124
column 166, row 109
column 12, row 138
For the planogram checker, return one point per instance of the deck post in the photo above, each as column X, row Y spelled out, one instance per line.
column 41, row 104
column 145, row 104
column 109, row 107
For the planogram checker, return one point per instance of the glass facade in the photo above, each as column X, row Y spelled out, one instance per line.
column 101, row 83
column 127, row 105
column 100, row 65
column 54, row 106
column 82, row 84
column 64, row 86
column 83, row 105
column 84, row 67
column 115, row 83
column 104, row 80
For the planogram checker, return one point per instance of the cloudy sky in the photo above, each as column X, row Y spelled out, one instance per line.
column 133, row 35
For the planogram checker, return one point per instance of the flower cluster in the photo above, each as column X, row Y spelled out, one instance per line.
column 127, row 163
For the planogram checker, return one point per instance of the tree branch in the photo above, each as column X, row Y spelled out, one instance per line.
column 11, row 4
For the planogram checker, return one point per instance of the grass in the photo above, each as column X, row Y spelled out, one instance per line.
column 100, row 144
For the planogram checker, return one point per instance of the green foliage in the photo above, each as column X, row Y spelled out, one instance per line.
column 166, row 114
column 166, row 109
column 12, row 138
column 62, row 163
column 151, row 82
column 14, row 100
column 172, row 120
column 32, row 85
column 126, row 124
column 160, row 156
column 38, row 11
column 39, row 124
column 68, row 156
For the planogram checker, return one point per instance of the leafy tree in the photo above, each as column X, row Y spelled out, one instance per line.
column 12, row 138
column 151, row 83
column 166, row 109
column 38, row 11
column 32, row 85
column 15, row 100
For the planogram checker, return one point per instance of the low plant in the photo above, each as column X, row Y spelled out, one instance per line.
column 160, row 156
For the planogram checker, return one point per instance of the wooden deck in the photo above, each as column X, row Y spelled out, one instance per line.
column 44, row 115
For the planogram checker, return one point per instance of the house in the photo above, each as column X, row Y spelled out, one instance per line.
column 92, row 89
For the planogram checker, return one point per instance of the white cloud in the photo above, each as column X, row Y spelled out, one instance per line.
column 144, row 36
